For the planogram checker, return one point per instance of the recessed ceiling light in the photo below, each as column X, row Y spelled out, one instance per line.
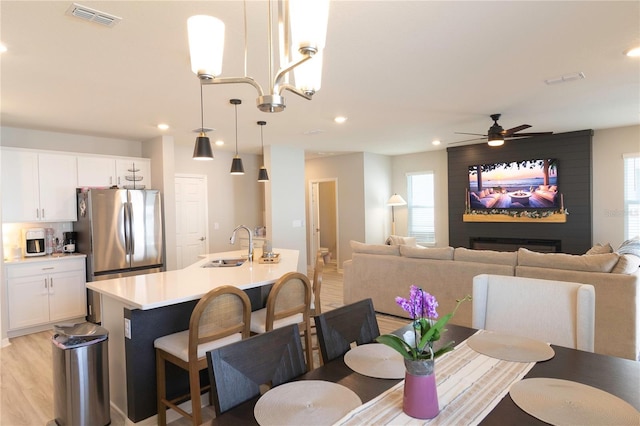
column 219, row 143
column 634, row 52
column 340, row 119
column 163, row 126
column 435, row 142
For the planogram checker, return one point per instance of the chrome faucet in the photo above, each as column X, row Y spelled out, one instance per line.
column 232, row 240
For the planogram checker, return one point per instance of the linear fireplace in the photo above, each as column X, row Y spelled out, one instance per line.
column 513, row 244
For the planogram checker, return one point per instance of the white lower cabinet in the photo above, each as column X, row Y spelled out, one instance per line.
column 45, row 292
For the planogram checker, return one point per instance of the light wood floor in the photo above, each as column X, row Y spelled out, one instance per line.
column 26, row 377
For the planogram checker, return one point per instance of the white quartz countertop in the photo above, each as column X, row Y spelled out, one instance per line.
column 47, row 258
column 151, row 291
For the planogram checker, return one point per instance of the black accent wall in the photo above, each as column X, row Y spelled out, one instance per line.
column 573, row 152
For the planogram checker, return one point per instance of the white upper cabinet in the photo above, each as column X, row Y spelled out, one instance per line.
column 38, row 186
column 109, row 171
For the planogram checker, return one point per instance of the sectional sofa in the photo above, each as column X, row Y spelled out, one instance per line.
column 383, row 272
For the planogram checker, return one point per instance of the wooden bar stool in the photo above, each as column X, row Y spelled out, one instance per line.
column 288, row 303
column 221, row 317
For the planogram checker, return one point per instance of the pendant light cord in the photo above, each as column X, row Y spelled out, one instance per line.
column 201, row 111
column 262, row 143
column 236, row 107
column 244, row 4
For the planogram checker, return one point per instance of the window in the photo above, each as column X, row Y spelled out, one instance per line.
column 421, row 208
column 631, row 195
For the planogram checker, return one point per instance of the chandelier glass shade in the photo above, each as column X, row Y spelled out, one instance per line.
column 300, row 42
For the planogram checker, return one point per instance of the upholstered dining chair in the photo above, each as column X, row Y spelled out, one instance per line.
column 340, row 327
column 238, row 372
column 288, row 303
column 557, row 312
column 221, row 317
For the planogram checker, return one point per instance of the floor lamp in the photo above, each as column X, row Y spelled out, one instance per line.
column 395, row 200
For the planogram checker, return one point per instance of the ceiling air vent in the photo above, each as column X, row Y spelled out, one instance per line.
column 92, row 15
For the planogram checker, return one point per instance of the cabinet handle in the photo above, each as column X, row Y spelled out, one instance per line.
column 50, row 285
column 42, row 213
column 37, row 213
column 110, row 180
column 51, row 267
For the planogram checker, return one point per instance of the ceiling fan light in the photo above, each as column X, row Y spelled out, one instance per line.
column 309, row 20
column 263, row 176
column 495, row 140
column 206, row 45
column 202, row 150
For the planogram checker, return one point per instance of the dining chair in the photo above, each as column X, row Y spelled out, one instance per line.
column 316, row 307
column 288, row 303
column 339, row 328
column 557, row 312
column 221, row 317
column 238, row 371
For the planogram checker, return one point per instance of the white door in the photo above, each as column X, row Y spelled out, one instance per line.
column 191, row 219
column 315, row 218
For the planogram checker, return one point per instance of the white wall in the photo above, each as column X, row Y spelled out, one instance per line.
column 348, row 171
column 435, row 161
column 377, row 190
column 285, row 201
column 607, row 182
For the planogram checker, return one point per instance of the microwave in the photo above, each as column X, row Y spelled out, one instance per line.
column 34, row 242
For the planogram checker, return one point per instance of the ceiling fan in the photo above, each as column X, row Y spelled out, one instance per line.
column 496, row 135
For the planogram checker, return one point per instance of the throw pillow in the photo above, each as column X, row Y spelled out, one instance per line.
column 627, row 264
column 600, row 249
column 631, row 246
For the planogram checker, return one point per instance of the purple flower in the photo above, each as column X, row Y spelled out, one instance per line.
column 420, row 304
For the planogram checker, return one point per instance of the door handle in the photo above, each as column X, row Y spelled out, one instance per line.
column 202, row 238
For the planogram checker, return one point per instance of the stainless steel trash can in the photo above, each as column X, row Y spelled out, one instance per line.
column 81, row 375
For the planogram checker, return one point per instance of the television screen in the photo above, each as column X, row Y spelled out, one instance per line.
column 528, row 184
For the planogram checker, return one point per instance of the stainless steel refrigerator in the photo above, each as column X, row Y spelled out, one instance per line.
column 120, row 231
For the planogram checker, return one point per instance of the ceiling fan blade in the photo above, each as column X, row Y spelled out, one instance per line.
column 517, row 135
column 513, row 130
column 473, row 134
column 467, row 140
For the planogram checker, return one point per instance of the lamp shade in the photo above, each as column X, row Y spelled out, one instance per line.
column 309, row 20
column 236, row 166
column 308, row 75
column 396, row 200
column 202, row 150
column 263, row 176
column 206, row 45
column 495, row 140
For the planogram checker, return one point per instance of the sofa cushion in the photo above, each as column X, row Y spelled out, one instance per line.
column 359, row 247
column 600, row 249
column 396, row 240
column 588, row 263
column 439, row 253
column 486, row 256
column 627, row 264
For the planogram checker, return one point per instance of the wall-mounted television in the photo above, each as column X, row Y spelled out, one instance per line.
column 527, row 184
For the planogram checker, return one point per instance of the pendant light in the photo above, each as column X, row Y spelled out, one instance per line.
column 236, row 165
column 202, row 150
column 263, row 176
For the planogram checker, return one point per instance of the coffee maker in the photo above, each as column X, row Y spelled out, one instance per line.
column 69, row 242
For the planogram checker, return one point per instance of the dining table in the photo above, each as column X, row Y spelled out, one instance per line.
column 616, row 376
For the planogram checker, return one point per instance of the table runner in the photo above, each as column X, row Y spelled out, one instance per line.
column 469, row 384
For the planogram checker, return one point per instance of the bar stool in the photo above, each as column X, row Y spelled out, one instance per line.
column 288, row 303
column 221, row 317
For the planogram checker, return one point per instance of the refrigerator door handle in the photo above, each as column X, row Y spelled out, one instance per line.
column 127, row 235
column 132, row 241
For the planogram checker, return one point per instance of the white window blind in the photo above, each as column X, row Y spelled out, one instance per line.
column 632, row 195
column 421, row 208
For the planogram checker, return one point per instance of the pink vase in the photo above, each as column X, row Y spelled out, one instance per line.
column 420, row 392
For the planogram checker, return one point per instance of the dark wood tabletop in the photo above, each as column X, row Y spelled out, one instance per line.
column 620, row 377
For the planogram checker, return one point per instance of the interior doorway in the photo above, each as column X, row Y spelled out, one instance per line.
column 324, row 218
column 191, row 218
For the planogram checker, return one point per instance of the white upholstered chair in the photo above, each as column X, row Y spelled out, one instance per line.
column 557, row 312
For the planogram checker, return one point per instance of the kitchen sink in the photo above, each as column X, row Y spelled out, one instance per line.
column 224, row 263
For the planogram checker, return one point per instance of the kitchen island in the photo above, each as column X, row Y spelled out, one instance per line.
column 136, row 310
